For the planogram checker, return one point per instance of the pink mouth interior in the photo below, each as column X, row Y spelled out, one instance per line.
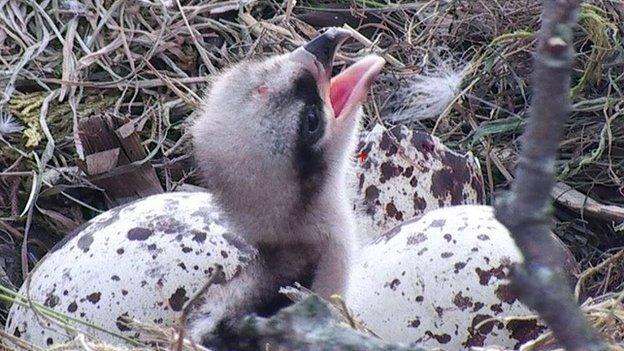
column 350, row 86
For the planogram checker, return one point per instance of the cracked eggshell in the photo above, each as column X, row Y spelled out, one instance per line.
column 401, row 174
column 140, row 261
column 430, row 281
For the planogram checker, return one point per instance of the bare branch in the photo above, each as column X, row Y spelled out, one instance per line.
column 540, row 282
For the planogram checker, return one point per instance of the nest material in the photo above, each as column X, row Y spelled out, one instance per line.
column 148, row 61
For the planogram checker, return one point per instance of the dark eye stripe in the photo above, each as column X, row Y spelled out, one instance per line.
column 306, row 90
column 308, row 158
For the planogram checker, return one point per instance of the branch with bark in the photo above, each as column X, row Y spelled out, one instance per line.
column 540, row 281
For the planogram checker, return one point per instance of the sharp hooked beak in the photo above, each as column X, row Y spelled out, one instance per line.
column 347, row 90
column 324, row 47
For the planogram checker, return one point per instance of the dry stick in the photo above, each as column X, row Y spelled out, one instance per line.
column 540, row 281
column 195, row 301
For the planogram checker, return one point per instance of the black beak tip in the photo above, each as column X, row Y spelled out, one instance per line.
column 324, row 46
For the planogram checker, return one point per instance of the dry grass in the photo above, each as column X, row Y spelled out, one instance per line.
column 64, row 60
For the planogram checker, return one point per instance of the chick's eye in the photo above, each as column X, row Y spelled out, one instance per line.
column 313, row 120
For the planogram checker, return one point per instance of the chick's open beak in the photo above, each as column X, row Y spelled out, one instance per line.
column 348, row 89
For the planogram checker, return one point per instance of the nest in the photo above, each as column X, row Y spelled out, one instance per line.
column 144, row 63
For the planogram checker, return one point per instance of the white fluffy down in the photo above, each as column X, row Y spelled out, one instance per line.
column 8, row 125
column 427, row 94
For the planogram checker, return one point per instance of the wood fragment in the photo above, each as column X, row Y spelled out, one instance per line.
column 106, row 152
column 581, row 203
column 102, row 162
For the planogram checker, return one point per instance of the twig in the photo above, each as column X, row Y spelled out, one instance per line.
column 193, row 302
column 581, row 203
column 590, row 272
column 540, row 281
column 369, row 44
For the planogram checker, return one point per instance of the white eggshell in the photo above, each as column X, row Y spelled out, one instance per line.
column 401, row 174
column 141, row 261
column 431, row 280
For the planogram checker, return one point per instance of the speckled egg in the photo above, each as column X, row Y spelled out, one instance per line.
column 140, row 261
column 432, row 280
column 401, row 174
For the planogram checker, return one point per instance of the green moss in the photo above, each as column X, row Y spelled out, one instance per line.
column 600, row 32
column 27, row 107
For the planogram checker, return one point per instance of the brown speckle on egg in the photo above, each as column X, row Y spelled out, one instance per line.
column 459, row 266
column 439, row 311
column 371, row 194
column 139, row 233
column 413, row 323
column 72, row 307
column 416, row 239
column 199, row 237
column 392, row 211
column 178, row 299
column 94, row 297
column 441, row 338
column 524, row 330
column 463, row 302
column 497, row 308
column 393, row 284
column 438, row 223
column 51, row 301
column 486, row 275
column 474, row 339
column 388, row 171
column 505, row 294
column 84, row 243
column 478, row 306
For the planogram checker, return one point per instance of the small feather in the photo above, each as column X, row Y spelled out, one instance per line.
column 8, row 125
column 428, row 94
